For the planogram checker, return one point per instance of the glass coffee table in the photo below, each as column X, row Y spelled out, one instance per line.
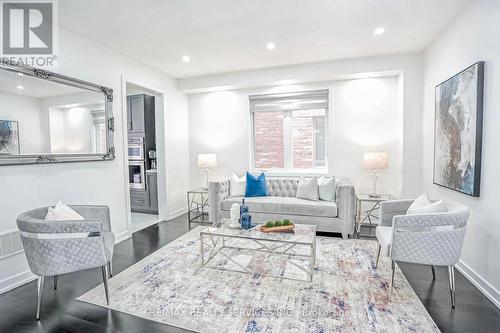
column 297, row 248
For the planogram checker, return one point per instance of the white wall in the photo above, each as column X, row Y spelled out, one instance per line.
column 56, row 130
column 218, row 124
column 218, row 115
column 366, row 118
column 68, row 129
column 474, row 35
column 27, row 112
column 26, row 187
column 78, row 125
column 363, row 116
column 71, row 130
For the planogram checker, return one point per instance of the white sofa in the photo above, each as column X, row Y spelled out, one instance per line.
column 328, row 216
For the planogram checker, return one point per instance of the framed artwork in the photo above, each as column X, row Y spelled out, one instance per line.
column 458, row 131
column 9, row 137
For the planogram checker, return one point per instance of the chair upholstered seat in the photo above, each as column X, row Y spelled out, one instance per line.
column 384, row 235
column 284, row 205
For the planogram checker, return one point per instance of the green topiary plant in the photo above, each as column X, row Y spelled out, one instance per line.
column 287, row 222
column 269, row 224
column 278, row 223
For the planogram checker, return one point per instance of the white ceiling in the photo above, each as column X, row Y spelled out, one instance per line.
column 231, row 35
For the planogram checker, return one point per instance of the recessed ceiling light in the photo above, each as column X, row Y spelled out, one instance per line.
column 20, row 74
column 378, row 31
column 271, row 46
column 20, row 87
column 186, row 58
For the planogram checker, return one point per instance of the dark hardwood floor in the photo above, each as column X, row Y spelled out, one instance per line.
column 62, row 313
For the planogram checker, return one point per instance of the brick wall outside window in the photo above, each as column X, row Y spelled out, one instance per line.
column 303, row 138
column 268, row 140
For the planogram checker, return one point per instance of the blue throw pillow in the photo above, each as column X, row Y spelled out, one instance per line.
column 256, row 186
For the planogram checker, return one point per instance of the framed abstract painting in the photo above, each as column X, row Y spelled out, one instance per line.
column 9, row 137
column 458, row 131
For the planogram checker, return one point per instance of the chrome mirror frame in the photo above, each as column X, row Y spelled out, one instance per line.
column 65, row 158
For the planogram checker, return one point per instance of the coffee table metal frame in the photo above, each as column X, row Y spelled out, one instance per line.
column 216, row 239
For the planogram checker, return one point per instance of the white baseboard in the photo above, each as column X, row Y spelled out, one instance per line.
column 177, row 213
column 484, row 286
column 16, row 280
column 122, row 236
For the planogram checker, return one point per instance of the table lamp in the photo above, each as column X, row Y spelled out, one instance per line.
column 375, row 161
column 207, row 161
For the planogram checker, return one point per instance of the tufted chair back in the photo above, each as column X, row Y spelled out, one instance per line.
column 59, row 247
column 282, row 187
column 430, row 239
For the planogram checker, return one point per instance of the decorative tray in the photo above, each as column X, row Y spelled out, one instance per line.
column 282, row 228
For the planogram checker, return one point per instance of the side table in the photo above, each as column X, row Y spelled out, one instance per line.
column 197, row 203
column 369, row 216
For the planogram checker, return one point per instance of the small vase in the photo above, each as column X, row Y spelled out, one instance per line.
column 246, row 221
column 234, row 214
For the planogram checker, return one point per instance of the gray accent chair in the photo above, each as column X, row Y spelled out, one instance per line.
column 328, row 216
column 427, row 239
column 59, row 247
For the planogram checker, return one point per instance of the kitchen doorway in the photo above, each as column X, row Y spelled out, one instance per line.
column 144, row 153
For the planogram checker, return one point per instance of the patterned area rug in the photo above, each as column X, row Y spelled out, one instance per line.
column 347, row 293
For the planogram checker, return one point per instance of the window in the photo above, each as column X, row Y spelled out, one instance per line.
column 98, row 131
column 289, row 130
column 319, row 127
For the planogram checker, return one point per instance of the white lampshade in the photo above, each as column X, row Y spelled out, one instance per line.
column 207, row 160
column 375, row 160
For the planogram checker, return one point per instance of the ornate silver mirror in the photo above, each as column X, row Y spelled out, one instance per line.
column 48, row 118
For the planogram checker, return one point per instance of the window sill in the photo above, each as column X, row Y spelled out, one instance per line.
column 293, row 173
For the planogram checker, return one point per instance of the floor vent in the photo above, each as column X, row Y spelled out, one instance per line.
column 10, row 243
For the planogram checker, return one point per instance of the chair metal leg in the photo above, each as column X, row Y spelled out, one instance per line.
column 393, row 269
column 110, row 268
column 378, row 255
column 451, row 275
column 433, row 272
column 55, row 281
column 41, row 280
column 105, row 274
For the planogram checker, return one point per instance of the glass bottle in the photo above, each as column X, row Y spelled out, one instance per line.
column 243, row 209
column 246, row 221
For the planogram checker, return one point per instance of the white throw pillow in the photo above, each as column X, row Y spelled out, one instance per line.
column 419, row 202
column 435, row 207
column 62, row 212
column 422, row 205
column 308, row 189
column 326, row 188
column 237, row 186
